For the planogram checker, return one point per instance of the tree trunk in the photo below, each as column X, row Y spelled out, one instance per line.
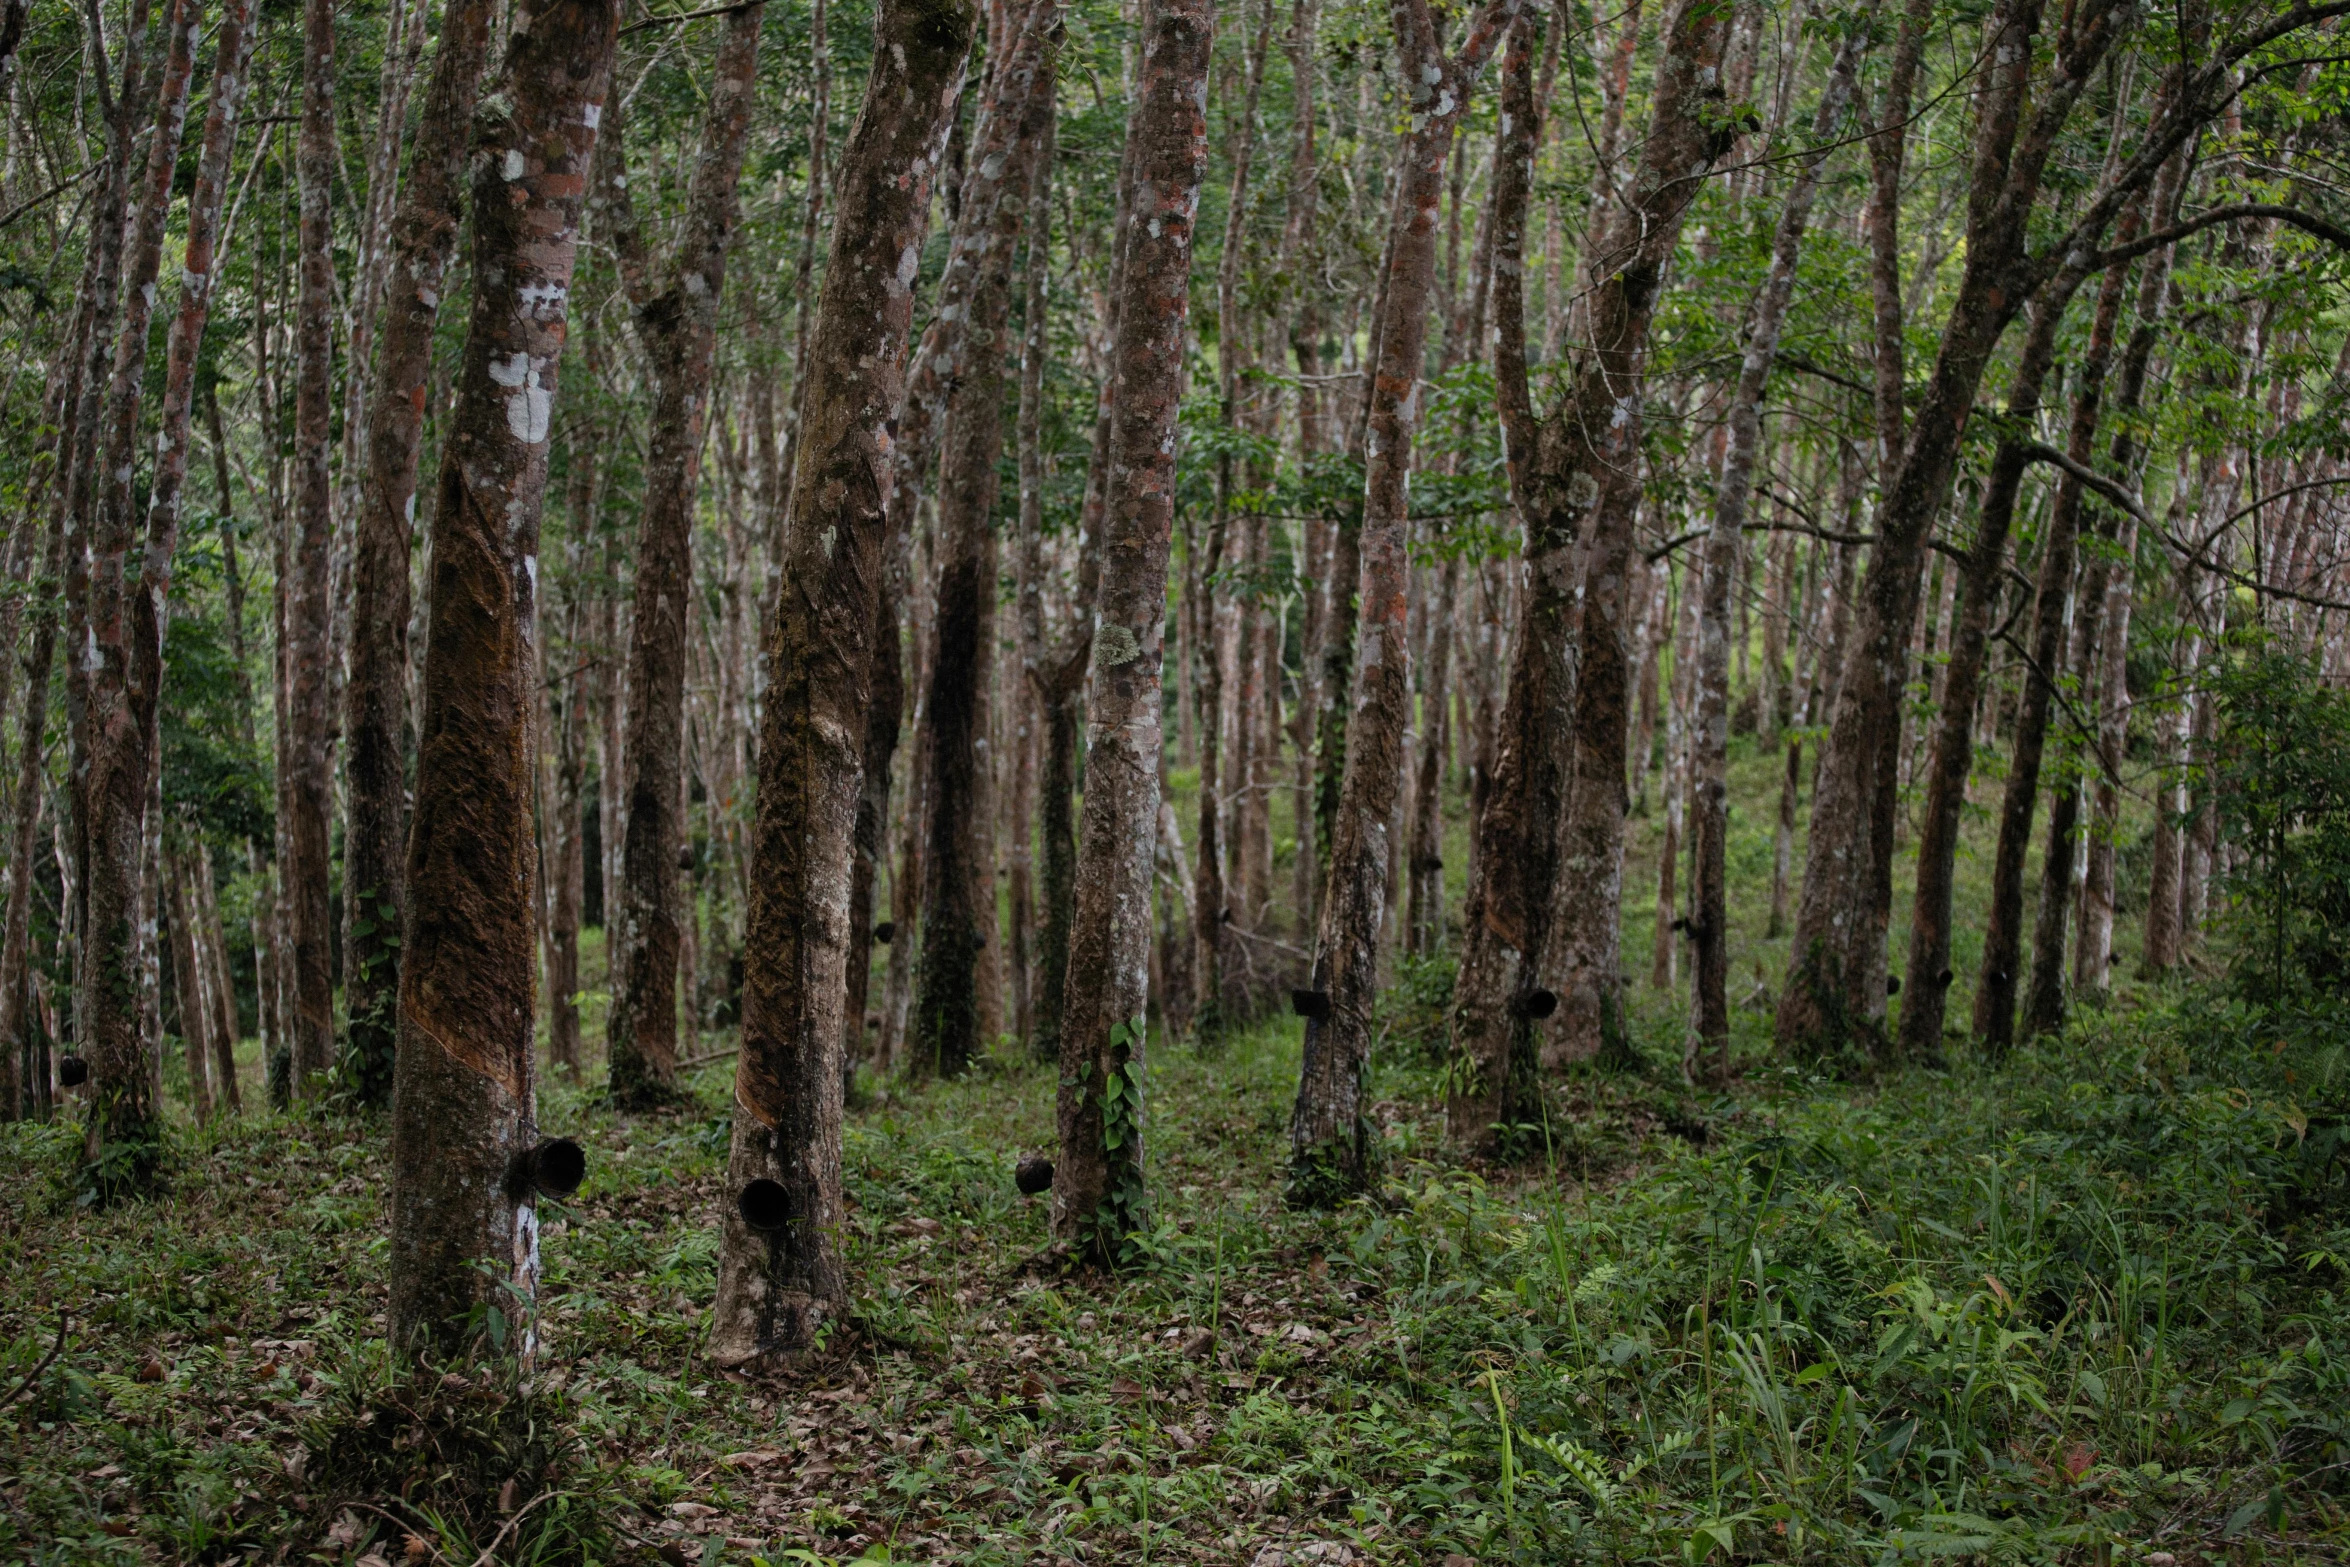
column 1835, row 988
column 883, row 720
column 1329, row 1140
column 2093, row 957
column 187, row 979
column 1051, row 679
column 1709, row 915
column 1588, row 478
column 1098, row 1197
column 1665, row 950
column 1997, row 986
column 1216, row 848
column 224, row 988
column 309, row 760
column 1424, row 921
column 780, row 1278
column 567, row 868
column 119, row 669
column 464, row 1108
column 1951, row 760
column 46, row 507
column 375, row 692
column 958, row 882
column 677, row 322
column 1544, row 838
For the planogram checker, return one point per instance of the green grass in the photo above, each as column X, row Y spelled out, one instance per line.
column 2060, row 1314
column 2087, row 1309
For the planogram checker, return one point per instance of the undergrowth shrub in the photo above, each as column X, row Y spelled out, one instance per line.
column 459, row 1455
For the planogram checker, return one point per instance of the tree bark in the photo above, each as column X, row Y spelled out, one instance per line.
column 958, row 881
column 1588, row 479
column 1098, row 1197
column 1329, row 1139
column 464, row 1109
column 309, row 759
column 1211, row 915
column 1710, row 911
column 224, row 989
column 883, row 721
column 1543, row 839
column 375, row 691
column 1424, row 916
column 1951, row 760
column 780, row 1277
column 115, row 767
column 187, row 978
column 43, row 518
column 1835, row 989
column 677, row 321
column 1998, row 983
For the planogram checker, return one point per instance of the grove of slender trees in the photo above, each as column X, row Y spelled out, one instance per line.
column 869, row 542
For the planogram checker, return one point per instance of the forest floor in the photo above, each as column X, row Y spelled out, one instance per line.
column 2052, row 1314
column 2090, row 1307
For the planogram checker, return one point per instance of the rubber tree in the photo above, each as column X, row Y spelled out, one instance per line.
column 375, row 690
column 1834, row 998
column 676, row 312
column 780, row 1275
column 1329, row 1139
column 1709, row 919
column 305, row 753
column 1099, row 1198
column 465, row 1165
column 1575, row 475
column 114, row 757
column 958, row 866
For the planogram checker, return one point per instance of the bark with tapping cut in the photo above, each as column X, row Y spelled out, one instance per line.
column 958, row 880
column 781, row 1283
column 1835, row 989
column 375, row 690
column 1709, row 914
column 1098, row 1195
column 187, row 982
column 464, row 1106
column 117, row 687
column 308, row 758
column 677, row 322
column 1329, row 1139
